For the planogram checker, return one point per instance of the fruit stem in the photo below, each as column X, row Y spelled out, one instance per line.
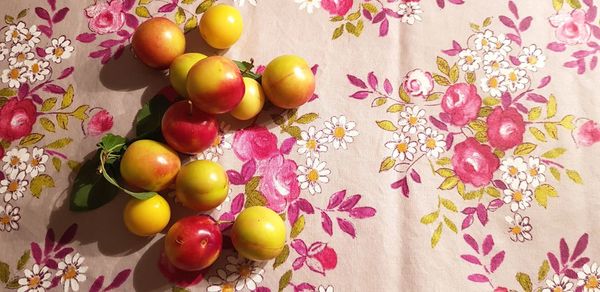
column 191, row 107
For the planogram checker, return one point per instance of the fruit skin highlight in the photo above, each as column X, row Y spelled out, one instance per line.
column 252, row 101
column 288, row 81
column 187, row 129
column 215, row 85
column 179, row 69
column 157, row 42
column 193, row 243
column 258, row 233
column 146, row 217
column 202, row 185
column 221, row 26
column 149, row 165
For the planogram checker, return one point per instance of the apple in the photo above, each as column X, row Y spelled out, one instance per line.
column 149, row 165
column 187, row 129
column 221, row 26
column 157, row 42
column 258, row 233
column 288, row 81
column 179, row 69
column 252, row 101
column 193, row 243
column 215, row 85
column 202, row 185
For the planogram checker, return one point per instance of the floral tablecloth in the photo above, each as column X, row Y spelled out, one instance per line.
column 449, row 146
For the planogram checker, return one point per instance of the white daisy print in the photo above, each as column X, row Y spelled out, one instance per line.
column 432, row 143
column 515, row 78
column 494, row 85
column 494, row 62
column 244, row 273
column 412, row 120
column 9, row 218
column 313, row 174
column 14, row 76
column 518, row 198
column 589, row 278
column 312, row 142
column 501, row 44
column 484, row 40
column 323, row 288
column 532, row 58
column 59, row 50
column 309, row 5
column 409, row 12
column 402, row 147
column 240, row 3
column 340, row 132
column 20, row 53
column 535, row 172
column 37, row 70
column 15, row 32
column 13, row 188
column 520, row 229
column 208, row 154
column 3, row 51
column 558, row 283
column 217, row 149
column 15, row 160
column 36, row 165
column 36, row 280
column 72, row 272
column 469, row 60
column 513, row 171
column 32, row 36
column 219, row 283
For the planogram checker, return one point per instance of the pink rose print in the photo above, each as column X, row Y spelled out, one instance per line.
column 587, row 134
column 100, row 123
column 105, row 16
column 418, row 83
column 318, row 257
column 337, row 7
column 461, row 103
column 571, row 28
column 257, row 143
column 474, row 163
column 279, row 184
column 16, row 119
column 505, row 128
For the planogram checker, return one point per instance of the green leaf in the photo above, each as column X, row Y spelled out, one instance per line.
column 190, row 23
column 73, row 165
column 142, row 11
column 188, row 1
column 487, row 21
column 57, row 163
column 537, row 134
column 473, row 195
column 336, row 18
column 575, row 4
column 80, row 112
column 252, row 184
column 4, row 272
column 294, row 131
column 552, row 130
column 112, row 143
column 470, row 77
column 379, row 101
column 255, row 198
column 478, row 125
column 524, row 280
column 490, row 101
column 555, row 173
column 430, row 218
column 307, row 118
column 441, row 80
column 493, row 192
column 9, row 19
column 298, row 227
column 460, row 187
column 443, row 161
column 558, row 4
column 449, row 183
column 475, row 27
column 353, row 16
column 437, row 234
column 39, row 183
column 360, row 25
column 67, row 99
column 450, row 224
column 370, row 7
column 23, row 260
column 454, row 74
column 47, row 124
column 574, row 176
column 62, row 120
column 282, row 257
column 567, row 122
column 204, row 6
column 142, row 2
column 31, row 139
column 433, row 96
column 481, row 136
column 7, row 92
column 387, row 125
column 443, row 65
column 534, row 113
column 445, row 172
column 179, row 16
column 13, row 284
column 285, row 279
column 395, row 108
column 449, row 205
column 60, row 143
column 3, row 101
column 542, row 192
column 147, row 120
column 551, row 106
column 524, row 149
column 485, row 111
column 90, row 190
column 554, row 153
column 543, row 272
column 387, row 164
column 338, row 32
column 403, row 95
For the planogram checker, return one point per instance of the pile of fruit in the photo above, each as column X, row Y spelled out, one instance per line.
column 209, row 86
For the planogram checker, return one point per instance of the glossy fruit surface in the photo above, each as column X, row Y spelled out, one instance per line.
column 193, row 243
column 188, row 129
column 252, row 102
column 288, row 81
column 221, row 26
column 215, row 85
column 179, row 69
column 258, row 233
column 149, row 165
column 147, row 217
column 202, row 185
column 157, row 42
